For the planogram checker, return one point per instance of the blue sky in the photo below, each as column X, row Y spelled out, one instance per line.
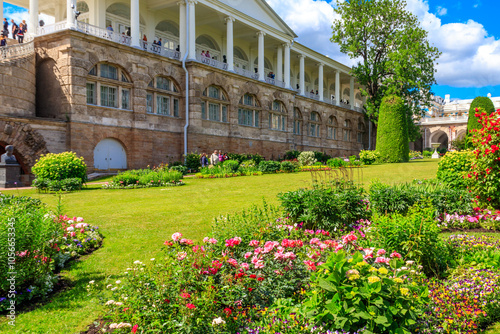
column 466, row 31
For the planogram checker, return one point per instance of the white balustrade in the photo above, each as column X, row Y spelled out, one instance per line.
column 51, row 28
column 246, row 73
column 17, row 51
column 161, row 50
column 454, row 119
column 211, row 62
column 103, row 33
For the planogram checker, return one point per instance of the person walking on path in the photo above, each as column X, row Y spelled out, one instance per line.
column 204, row 160
column 20, row 33
column 214, row 158
column 14, row 29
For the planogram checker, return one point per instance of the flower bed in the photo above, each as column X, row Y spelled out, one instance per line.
column 485, row 219
column 36, row 245
column 145, row 178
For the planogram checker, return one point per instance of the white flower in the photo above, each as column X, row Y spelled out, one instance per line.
column 113, row 289
column 218, row 321
column 137, row 262
column 113, row 326
column 109, row 286
column 71, row 222
column 118, row 303
column 409, row 263
column 123, row 325
column 110, row 302
column 152, row 259
column 91, row 282
column 70, row 229
column 118, row 282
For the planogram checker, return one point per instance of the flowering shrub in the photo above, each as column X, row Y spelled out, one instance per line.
column 483, row 178
column 60, row 166
column 145, row 178
column 453, row 168
column 306, row 158
column 35, row 244
column 414, row 155
column 481, row 219
column 368, row 157
column 370, row 289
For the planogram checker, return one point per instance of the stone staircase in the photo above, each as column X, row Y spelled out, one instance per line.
column 15, row 52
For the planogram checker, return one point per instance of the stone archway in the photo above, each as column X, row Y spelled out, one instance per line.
column 29, row 145
column 441, row 137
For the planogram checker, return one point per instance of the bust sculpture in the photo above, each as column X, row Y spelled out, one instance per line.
column 8, row 157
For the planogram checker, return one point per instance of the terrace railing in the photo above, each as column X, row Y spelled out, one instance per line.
column 103, row 33
column 211, row 62
column 51, row 28
column 17, row 51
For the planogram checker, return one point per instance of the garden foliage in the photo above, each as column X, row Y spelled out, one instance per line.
column 192, row 161
column 307, row 158
column 484, row 180
column 139, row 178
column 64, row 171
column 368, row 157
column 392, row 131
column 70, row 184
column 269, row 166
column 453, row 167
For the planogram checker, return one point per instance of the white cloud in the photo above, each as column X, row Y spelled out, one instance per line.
column 441, row 11
column 470, row 57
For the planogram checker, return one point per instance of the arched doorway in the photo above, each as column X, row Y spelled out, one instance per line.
column 440, row 137
column 110, row 154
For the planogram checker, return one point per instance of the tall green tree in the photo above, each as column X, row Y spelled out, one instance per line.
column 479, row 102
column 393, row 53
column 392, row 132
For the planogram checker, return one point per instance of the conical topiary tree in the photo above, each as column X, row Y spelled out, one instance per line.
column 479, row 102
column 392, row 131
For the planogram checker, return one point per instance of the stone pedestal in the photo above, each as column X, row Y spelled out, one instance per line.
column 10, row 175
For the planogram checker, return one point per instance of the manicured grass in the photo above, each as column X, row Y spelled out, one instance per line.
column 136, row 222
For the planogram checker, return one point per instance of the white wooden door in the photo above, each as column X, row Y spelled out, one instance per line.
column 110, row 154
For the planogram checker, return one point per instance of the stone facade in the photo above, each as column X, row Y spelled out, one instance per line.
column 58, row 117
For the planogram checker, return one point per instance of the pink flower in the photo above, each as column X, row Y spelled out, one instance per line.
column 233, row 262
column 79, row 219
column 351, row 237
column 233, row 242
column 245, row 266
column 212, row 241
column 382, row 260
column 134, row 329
column 73, row 234
column 310, row 265
column 258, row 250
column 248, row 254
column 314, row 241
column 290, row 256
column 176, row 236
column 185, row 295
column 186, row 242
column 259, row 264
column 181, row 256
column 396, row 254
column 190, row 306
column 254, row 243
column 323, row 246
column 205, row 240
column 381, row 252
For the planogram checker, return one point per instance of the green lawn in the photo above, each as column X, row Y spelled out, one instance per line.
column 137, row 222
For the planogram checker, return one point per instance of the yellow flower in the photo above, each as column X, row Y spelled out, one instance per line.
column 373, row 279
column 398, row 280
column 383, row 271
column 372, row 269
column 353, row 277
column 404, row 291
column 361, row 264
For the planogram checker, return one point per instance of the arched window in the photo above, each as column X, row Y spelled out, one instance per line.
column 277, row 116
column 361, row 130
column 214, row 104
column 248, row 111
column 240, row 58
column 331, row 128
column 297, row 121
column 314, row 124
column 162, row 97
column 347, row 130
column 346, row 94
column 109, row 86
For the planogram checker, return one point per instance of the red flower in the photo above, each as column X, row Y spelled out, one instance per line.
column 167, row 301
column 185, row 295
column 250, row 289
column 228, row 311
column 190, row 306
column 253, row 276
column 260, row 279
column 134, row 329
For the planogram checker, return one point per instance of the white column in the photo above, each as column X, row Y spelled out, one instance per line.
column 70, row 15
column 279, row 75
column 135, row 28
column 230, row 43
column 320, row 81
column 182, row 27
column 302, row 85
column 33, row 22
column 1, row 12
column 287, row 64
column 192, row 29
column 337, row 87
column 260, row 67
column 351, row 95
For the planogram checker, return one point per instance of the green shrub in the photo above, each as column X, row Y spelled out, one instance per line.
column 60, row 166
column 193, row 161
column 414, row 236
column 368, row 157
column 349, row 294
column 27, row 231
column 179, row 168
column 399, row 198
column 478, row 105
column 427, row 154
column 56, row 185
column 288, row 167
column 415, row 155
column 331, row 208
column 392, row 131
column 290, row 155
column 269, row 166
column 321, row 157
column 242, row 157
column 453, row 167
column 307, row 158
column 232, row 165
column 336, row 163
column 146, row 178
